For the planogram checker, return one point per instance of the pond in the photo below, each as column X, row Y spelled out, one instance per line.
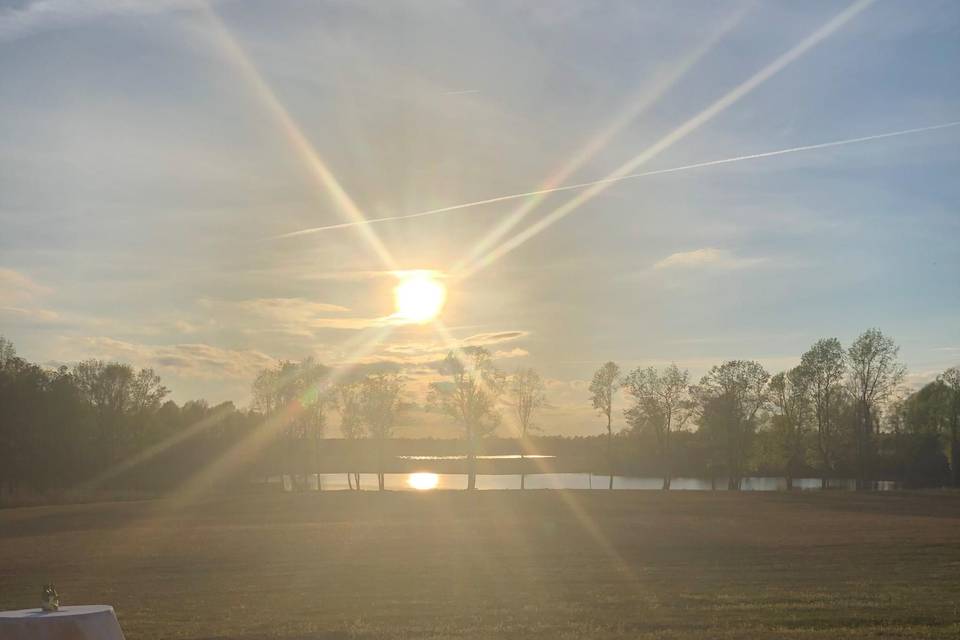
column 422, row 481
column 505, row 456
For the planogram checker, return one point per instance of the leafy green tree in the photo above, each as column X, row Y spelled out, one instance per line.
column 121, row 398
column 46, row 426
column 731, row 397
column 932, row 411
column 790, row 394
column 661, row 405
column 825, row 364
column 951, row 378
column 874, row 371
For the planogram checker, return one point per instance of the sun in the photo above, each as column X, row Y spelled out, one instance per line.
column 423, row 481
column 419, row 296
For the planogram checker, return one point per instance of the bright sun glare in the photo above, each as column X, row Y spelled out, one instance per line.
column 419, row 296
column 423, row 481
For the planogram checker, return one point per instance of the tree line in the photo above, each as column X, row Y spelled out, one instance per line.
column 837, row 411
column 841, row 411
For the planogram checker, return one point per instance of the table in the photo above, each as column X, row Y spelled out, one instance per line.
column 83, row 622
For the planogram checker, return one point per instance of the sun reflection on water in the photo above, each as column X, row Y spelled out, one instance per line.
column 423, row 481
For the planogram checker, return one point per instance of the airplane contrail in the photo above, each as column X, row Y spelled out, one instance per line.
column 643, row 100
column 644, row 174
column 717, row 107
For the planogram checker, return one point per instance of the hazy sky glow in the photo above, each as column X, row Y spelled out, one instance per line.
column 152, row 156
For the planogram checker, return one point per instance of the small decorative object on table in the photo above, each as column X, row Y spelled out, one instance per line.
column 49, row 598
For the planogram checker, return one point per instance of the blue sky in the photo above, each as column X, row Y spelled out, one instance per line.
column 144, row 177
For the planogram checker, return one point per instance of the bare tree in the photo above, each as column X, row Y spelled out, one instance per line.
column 527, row 394
column 347, row 401
column 603, row 388
column 951, row 378
column 731, row 396
column 470, row 397
column 791, row 396
column 874, row 372
column 379, row 407
column 825, row 364
column 661, row 404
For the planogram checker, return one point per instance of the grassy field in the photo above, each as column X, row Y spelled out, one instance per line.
column 501, row 565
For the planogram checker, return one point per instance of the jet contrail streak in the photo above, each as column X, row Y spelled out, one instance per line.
column 644, row 174
column 638, row 105
column 706, row 115
column 663, row 143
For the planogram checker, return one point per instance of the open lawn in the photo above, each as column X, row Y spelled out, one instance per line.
column 538, row 564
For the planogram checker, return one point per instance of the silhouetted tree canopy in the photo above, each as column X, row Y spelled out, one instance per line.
column 839, row 413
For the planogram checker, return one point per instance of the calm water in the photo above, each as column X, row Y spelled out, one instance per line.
column 427, row 481
column 507, row 456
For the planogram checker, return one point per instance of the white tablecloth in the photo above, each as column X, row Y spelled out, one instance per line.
column 84, row 622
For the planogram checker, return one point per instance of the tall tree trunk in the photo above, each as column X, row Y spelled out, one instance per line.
column 824, row 459
column 864, row 432
column 954, row 452
column 667, row 466
column 349, row 481
column 789, row 469
column 291, row 461
column 380, row 482
column 733, row 464
column 610, row 449
column 523, row 470
column 316, row 457
column 471, row 463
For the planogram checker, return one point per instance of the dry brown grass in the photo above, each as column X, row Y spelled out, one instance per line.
column 501, row 565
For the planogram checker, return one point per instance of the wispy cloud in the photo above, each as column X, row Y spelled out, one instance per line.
column 26, row 314
column 290, row 306
column 294, row 316
column 483, row 339
column 190, row 360
column 16, row 286
column 430, row 353
column 706, row 257
column 20, row 299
